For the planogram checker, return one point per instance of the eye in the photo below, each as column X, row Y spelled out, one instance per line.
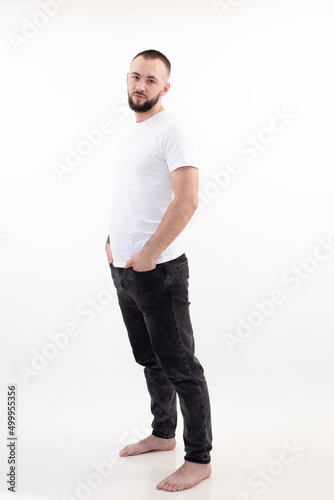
column 134, row 76
column 151, row 81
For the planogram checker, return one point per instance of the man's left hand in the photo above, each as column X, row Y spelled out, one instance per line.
column 141, row 261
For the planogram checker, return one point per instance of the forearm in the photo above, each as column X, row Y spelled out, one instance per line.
column 174, row 221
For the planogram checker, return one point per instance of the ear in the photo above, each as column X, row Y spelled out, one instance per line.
column 166, row 89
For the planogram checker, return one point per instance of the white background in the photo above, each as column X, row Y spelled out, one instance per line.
column 233, row 68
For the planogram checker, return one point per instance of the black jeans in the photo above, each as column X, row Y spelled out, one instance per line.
column 155, row 310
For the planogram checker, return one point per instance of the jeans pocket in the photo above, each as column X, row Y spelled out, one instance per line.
column 145, row 272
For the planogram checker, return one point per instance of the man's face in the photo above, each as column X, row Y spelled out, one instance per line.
column 147, row 83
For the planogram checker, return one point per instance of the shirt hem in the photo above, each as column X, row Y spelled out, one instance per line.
column 159, row 260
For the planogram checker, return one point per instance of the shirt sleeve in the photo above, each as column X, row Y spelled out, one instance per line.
column 180, row 147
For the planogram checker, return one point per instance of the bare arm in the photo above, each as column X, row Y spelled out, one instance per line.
column 185, row 183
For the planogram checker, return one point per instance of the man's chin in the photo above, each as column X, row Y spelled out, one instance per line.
column 135, row 106
column 139, row 109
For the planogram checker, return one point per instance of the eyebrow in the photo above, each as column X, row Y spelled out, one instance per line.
column 134, row 73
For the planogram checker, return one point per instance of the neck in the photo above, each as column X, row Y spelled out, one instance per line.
column 140, row 117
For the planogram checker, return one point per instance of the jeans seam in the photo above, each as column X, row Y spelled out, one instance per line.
column 174, row 318
column 165, row 395
column 183, row 279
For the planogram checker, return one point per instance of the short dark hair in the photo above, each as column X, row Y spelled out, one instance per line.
column 155, row 54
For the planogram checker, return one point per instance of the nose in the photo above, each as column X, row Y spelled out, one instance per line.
column 140, row 87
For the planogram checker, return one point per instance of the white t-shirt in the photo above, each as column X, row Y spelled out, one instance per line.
column 146, row 154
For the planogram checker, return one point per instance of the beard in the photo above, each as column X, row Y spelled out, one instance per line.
column 142, row 107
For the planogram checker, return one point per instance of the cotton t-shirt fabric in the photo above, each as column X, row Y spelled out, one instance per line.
column 147, row 152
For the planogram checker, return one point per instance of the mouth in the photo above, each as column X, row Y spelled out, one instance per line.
column 138, row 96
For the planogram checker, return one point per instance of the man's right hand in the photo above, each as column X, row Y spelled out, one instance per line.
column 109, row 254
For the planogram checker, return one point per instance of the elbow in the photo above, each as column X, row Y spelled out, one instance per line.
column 187, row 205
column 192, row 205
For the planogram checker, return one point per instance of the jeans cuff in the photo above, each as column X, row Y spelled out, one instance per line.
column 159, row 435
column 197, row 460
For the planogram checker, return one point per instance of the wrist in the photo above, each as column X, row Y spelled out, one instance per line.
column 148, row 252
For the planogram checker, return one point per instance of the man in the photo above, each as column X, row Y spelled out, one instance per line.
column 155, row 196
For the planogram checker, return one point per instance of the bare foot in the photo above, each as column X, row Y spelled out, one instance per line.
column 151, row 443
column 187, row 476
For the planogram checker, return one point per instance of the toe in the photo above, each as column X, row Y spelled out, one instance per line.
column 125, row 451
column 170, row 487
column 161, row 485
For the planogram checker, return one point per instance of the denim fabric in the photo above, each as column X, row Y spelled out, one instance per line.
column 155, row 309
